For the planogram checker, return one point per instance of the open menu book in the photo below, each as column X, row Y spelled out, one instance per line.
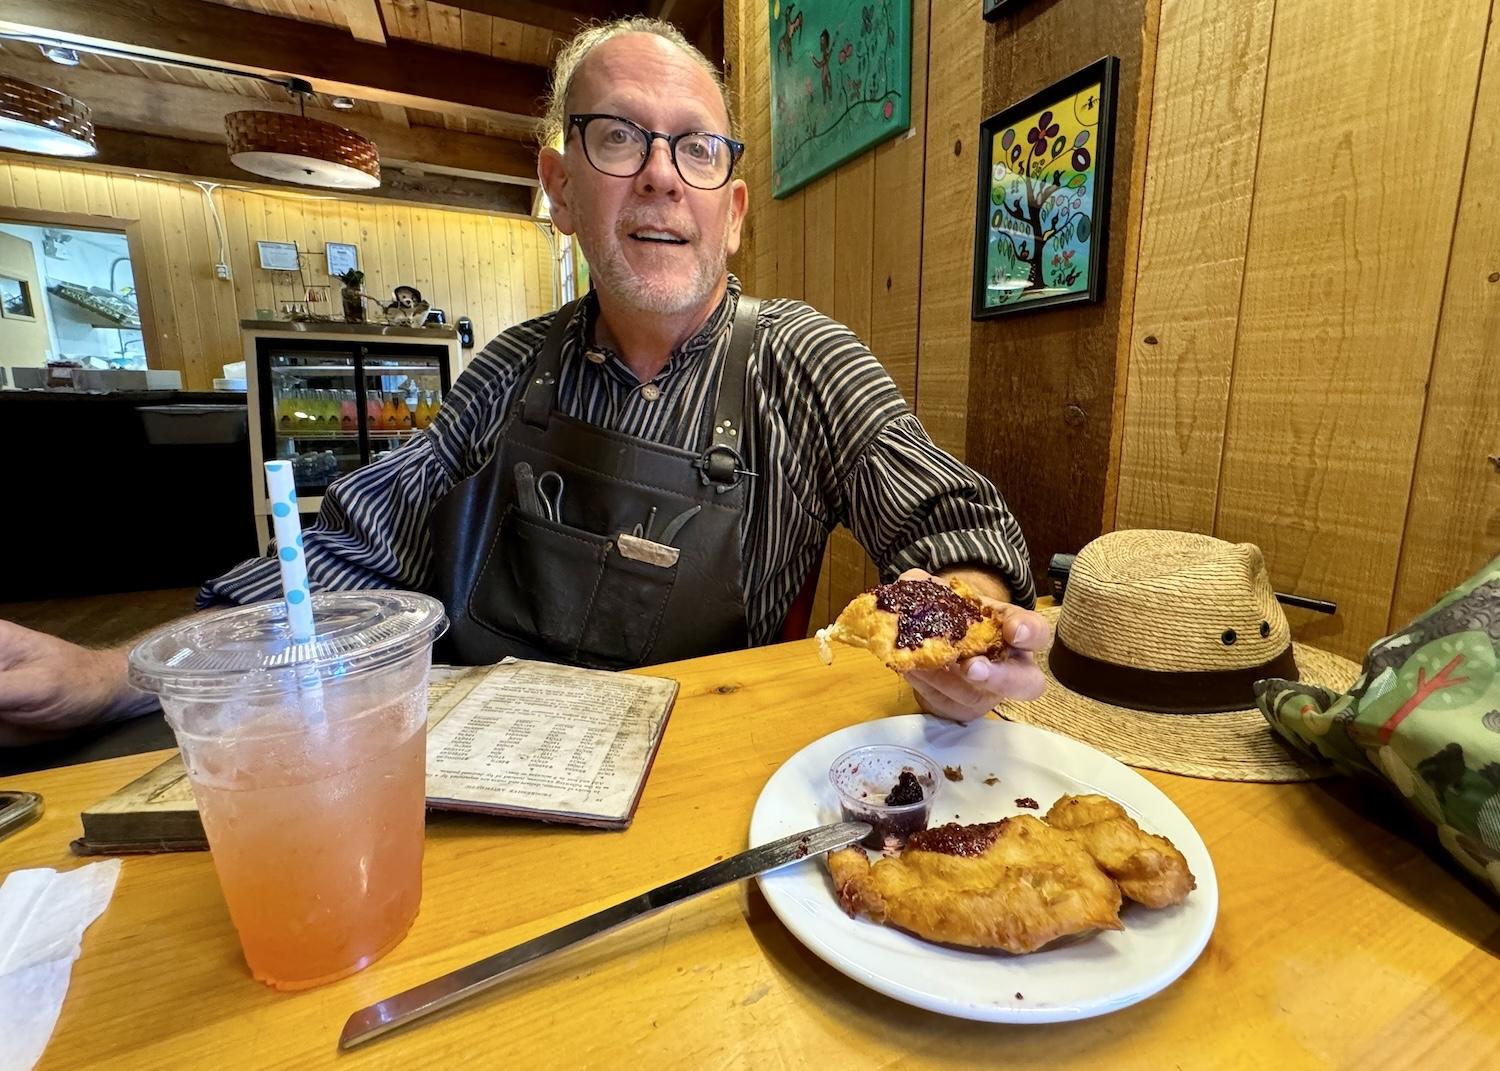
column 520, row 739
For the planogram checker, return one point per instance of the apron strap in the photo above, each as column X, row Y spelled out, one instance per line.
column 722, row 462
column 541, row 393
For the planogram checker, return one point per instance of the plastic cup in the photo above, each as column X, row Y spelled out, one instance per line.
column 864, row 776
column 308, row 762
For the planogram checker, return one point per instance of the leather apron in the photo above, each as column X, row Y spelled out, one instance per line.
column 571, row 589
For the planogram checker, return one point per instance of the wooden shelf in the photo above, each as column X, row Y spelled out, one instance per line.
column 347, row 436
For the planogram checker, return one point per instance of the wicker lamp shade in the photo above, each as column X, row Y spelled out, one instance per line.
column 34, row 118
column 294, row 148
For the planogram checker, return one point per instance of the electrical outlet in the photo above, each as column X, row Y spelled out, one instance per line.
column 221, row 271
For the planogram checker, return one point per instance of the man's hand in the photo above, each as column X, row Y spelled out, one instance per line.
column 975, row 686
column 49, row 686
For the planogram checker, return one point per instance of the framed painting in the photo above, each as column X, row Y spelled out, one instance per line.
column 993, row 9
column 1042, row 212
column 15, row 299
column 840, row 83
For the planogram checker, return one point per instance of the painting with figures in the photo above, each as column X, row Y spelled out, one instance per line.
column 840, row 83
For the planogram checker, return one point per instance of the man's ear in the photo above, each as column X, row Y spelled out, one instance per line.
column 739, row 204
column 552, row 170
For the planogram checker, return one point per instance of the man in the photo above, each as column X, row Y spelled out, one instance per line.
column 651, row 476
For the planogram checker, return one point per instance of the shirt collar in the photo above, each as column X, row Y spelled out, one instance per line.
column 715, row 328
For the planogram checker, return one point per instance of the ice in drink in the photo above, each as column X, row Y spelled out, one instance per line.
column 320, row 859
column 308, row 763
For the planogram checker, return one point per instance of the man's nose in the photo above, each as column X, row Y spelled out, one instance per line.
column 660, row 175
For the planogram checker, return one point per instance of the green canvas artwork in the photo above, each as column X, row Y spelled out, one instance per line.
column 840, row 83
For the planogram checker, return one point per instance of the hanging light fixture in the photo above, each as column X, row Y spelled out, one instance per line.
column 34, row 118
column 294, row 148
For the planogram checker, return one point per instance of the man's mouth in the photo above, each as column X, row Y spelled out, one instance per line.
column 660, row 237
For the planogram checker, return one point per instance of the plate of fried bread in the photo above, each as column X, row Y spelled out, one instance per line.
column 1052, row 882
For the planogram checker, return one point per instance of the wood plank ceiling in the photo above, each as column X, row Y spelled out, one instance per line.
column 508, row 54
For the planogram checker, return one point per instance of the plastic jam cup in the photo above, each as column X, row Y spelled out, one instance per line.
column 308, row 762
column 864, row 776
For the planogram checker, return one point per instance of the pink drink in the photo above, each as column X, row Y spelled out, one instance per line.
column 309, row 767
column 320, row 861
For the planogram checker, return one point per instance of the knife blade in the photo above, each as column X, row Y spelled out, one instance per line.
column 445, row 991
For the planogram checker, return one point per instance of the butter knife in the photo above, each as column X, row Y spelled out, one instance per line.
column 447, row 990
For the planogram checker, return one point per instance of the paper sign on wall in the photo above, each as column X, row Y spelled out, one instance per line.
column 342, row 257
column 278, row 256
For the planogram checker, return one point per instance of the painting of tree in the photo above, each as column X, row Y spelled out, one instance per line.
column 840, row 83
column 1043, row 199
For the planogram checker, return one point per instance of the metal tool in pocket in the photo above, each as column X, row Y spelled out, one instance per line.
column 676, row 524
column 643, row 531
column 550, row 488
column 526, row 496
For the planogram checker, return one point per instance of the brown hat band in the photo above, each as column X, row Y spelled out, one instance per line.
column 1208, row 691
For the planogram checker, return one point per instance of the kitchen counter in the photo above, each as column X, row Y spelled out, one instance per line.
column 110, row 510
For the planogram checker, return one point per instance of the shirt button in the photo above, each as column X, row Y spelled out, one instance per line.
column 650, row 392
column 595, row 357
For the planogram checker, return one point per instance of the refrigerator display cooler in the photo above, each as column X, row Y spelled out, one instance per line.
column 332, row 401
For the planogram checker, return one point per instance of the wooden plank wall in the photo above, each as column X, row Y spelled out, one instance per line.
column 1043, row 389
column 853, row 243
column 495, row 270
column 1313, row 362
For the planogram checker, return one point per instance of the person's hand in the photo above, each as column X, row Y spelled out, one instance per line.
column 976, row 686
column 49, row 686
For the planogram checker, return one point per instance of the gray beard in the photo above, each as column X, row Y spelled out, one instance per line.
column 614, row 276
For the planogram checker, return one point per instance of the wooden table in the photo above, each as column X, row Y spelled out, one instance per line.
column 1338, row 945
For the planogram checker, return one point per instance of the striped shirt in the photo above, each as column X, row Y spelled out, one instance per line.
column 827, row 430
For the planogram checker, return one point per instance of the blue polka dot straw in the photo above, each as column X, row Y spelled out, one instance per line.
column 281, row 490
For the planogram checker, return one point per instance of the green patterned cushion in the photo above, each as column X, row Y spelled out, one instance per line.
column 1424, row 716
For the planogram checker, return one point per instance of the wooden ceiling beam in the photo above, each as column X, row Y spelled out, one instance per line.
column 174, row 158
column 559, row 16
column 363, row 19
column 402, row 72
column 194, row 113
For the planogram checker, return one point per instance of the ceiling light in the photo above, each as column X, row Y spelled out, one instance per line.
column 294, row 148
column 58, row 54
column 343, row 104
column 34, row 118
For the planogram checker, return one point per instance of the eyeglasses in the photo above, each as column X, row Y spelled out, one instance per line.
column 616, row 146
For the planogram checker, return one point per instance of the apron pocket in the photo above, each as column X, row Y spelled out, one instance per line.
column 539, row 582
column 632, row 597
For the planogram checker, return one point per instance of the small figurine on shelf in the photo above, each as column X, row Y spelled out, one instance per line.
column 353, row 294
column 408, row 310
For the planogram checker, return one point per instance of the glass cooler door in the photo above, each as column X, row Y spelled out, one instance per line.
column 400, row 392
column 313, row 418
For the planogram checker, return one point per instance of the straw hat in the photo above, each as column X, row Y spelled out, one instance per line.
column 1160, row 638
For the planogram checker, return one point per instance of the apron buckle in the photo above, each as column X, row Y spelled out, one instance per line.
column 721, row 466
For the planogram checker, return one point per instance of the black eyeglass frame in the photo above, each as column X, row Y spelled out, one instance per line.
column 582, row 120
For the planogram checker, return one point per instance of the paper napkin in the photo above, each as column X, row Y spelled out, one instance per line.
column 43, row 914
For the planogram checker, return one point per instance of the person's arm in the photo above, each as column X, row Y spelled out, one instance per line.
column 918, row 511
column 988, row 582
column 49, row 687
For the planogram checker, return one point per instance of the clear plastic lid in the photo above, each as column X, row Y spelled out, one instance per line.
column 248, row 650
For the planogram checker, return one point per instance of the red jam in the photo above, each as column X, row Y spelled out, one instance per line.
column 906, row 790
column 924, row 610
column 954, row 839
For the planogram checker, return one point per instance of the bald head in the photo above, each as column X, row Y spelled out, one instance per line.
column 651, row 41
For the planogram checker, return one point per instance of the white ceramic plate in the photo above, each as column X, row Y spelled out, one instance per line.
column 1101, row 974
